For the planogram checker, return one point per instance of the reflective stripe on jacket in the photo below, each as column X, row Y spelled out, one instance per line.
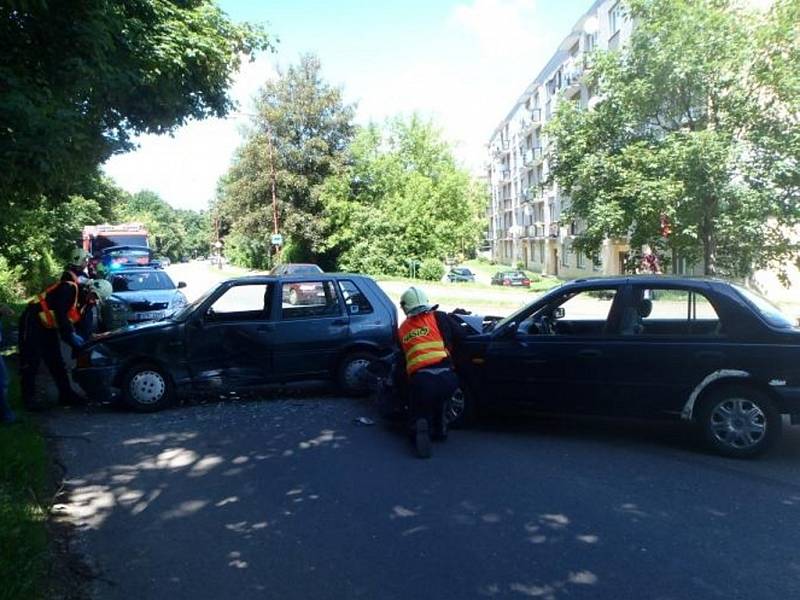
column 422, row 342
column 47, row 316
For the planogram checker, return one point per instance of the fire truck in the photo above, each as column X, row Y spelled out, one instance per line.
column 127, row 242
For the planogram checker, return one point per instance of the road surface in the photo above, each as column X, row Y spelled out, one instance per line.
column 286, row 497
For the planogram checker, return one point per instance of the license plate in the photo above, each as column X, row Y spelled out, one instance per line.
column 152, row 315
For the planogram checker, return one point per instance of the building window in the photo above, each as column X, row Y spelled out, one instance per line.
column 565, row 255
column 614, row 19
column 579, row 261
column 541, row 251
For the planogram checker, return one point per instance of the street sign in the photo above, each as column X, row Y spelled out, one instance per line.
column 277, row 239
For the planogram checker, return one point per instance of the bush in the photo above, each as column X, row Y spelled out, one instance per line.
column 431, row 270
column 11, row 289
column 248, row 253
column 482, row 260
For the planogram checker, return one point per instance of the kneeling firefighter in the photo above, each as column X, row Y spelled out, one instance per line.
column 428, row 338
column 47, row 320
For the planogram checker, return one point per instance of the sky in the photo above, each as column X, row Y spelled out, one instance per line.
column 462, row 64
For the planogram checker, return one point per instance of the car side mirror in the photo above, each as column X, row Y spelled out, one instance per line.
column 558, row 313
column 181, row 284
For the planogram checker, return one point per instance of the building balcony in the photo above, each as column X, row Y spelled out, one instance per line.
column 537, row 155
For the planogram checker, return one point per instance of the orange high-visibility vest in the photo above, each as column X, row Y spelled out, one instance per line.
column 422, row 342
column 47, row 316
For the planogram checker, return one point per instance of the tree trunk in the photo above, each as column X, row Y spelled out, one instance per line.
column 709, row 240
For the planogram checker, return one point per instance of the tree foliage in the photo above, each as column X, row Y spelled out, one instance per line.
column 697, row 127
column 173, row 233
column 78, row 78
column 301, row 130
column 401, row 197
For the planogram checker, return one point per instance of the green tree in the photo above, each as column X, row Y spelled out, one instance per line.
column 36, row 239
column 697, row 126
column 165, row 227
column 78, row 78
column 300, row 134
column 197, row 225
column 401, row 197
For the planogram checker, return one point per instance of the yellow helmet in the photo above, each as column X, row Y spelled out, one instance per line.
column 415, row 301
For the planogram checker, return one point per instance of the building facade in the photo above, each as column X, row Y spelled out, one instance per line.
column 525, row 214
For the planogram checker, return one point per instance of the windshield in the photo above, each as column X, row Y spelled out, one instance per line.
column 104, row 240
column 187, row 310
column 515, row 316
column 767, row 309
column 140, row 281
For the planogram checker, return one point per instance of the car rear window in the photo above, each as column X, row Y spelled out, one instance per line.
column 771, row 313
column 354, row 298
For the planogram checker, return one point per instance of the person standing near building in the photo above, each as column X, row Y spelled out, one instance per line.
column 428, row 338
column 49, row 319
column 6, row 414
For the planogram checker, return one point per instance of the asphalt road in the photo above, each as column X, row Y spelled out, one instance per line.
column 286, row 497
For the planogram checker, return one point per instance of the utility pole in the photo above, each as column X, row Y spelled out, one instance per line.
column 276, row 247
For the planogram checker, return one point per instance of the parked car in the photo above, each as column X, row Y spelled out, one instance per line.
column 243, row 333
column 460, row 274
column 140, row 294
column 300, row 292
column 295, row 269
column 709, row 352
column 511, row 278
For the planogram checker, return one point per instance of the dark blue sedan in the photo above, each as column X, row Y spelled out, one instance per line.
column 706, row 351
column 246, row 332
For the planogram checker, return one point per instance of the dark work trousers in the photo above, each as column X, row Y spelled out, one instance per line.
column 428, row 392
column 37, row 344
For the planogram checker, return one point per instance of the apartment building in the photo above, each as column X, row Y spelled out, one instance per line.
column 525, row 214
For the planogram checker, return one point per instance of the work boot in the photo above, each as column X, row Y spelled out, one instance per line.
column 422, row 438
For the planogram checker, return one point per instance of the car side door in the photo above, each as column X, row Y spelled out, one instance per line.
column 230, row 341
column 311, row 327
column 557, row 358
column 674, row 336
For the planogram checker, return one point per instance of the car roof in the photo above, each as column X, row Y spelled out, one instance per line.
column 653, row 279
column 298, row 277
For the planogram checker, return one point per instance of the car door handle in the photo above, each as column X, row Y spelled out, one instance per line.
column 265, row 328
column 589, row 353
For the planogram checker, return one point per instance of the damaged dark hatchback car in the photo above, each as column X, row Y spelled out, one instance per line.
column 242, row 333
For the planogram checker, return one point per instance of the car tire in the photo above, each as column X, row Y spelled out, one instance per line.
column 739, row 421
column 347, row 372
column 147, row 388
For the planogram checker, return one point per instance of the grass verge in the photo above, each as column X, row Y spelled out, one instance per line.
column 23, row 517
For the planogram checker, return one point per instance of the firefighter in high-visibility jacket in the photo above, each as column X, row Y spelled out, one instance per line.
column 48, row 319
column 428, row 338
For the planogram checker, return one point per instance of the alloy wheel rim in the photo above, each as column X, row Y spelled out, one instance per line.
column 738, row 423
column 147, row 387
column 351, row 373
column 455, row 405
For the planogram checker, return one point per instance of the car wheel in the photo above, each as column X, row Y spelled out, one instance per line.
column 349, row 373
column 146, row 388
column 293, row 296
column 739, row 421
column 462, row 411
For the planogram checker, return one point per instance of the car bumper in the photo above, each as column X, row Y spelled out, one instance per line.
column 789, row 399
column 97, row 382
